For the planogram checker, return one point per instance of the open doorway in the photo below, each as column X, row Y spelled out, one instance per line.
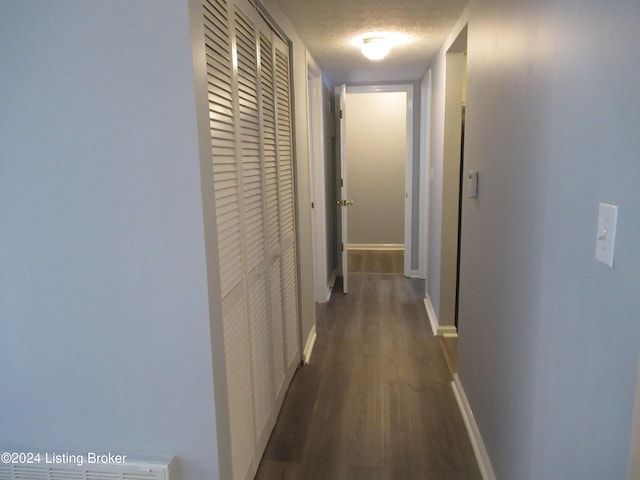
column 453, row 171
column 376, row 164
column 453, row 175
column 376, row 152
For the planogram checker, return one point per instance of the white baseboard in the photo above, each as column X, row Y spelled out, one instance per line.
column 375, row 246
column 482, row 457
column 332, row 282
column 413, row 274
column 431, row 313
column 448, row 331
column 308, row 348
column 324, row 295
column 332, row 279
column 329, row 292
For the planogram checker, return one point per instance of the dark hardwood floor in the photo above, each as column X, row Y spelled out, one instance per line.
column 375, row 402
column 376, row 261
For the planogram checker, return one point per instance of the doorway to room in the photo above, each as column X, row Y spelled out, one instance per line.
column 453, row 179
column 375, row 162
column 376, row 152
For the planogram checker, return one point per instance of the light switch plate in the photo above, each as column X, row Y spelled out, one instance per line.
column 606, row 235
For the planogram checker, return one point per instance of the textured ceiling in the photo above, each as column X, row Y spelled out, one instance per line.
column 328, row 27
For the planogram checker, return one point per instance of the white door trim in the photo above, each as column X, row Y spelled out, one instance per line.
column 341, row 120
column 425, row 176
column 408, row 200
column 315, row 126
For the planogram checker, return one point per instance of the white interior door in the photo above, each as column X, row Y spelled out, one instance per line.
column 343, row 201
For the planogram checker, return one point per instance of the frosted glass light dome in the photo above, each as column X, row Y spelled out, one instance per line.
column 375, row 48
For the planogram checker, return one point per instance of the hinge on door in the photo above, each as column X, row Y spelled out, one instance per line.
column 341, row 183
column 342, row 247
column 340, row 114
column 313, row 205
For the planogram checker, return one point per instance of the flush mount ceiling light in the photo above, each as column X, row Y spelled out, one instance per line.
column 376, row 45
column 375, row 48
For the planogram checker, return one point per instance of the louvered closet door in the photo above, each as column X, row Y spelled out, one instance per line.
column 287, row 209
column 228, row 187
column 250, row 120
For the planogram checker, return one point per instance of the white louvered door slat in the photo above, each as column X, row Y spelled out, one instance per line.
column 237, row 357
column 287, row 210
column 223, row 147
column 247, row 31
column 269, row 143
column 272, row 210
column 246, row 111
column 290, row 307
column 277, row 332
column 228, row 186
column 263, row 405
column 285, row 157
column 250, row 140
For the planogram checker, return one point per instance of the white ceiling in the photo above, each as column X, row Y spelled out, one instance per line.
column 327, row 27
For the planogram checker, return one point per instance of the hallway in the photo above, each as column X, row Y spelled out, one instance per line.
column 375, row 402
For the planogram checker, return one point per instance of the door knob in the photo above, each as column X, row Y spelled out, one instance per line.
column 344, row 203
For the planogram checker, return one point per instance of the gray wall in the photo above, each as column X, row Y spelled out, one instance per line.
column 548, row 347
column 376, row 153
column 634, row 462
column 104, row 331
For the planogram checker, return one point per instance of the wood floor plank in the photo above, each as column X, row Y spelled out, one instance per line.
column 376, row 261
column 376, row 400
column 280, row 470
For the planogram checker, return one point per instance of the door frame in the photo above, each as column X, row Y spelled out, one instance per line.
column 425, row 176
column 315, row 126
column 339, row 181
column 453, row 95
column 408, row 200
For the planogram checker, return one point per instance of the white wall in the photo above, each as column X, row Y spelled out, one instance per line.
column 104, row 332
column 376, row 157
column 548, row 347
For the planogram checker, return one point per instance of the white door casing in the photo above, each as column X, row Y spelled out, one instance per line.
column 343, row 201
column 317, row 180
column 408, row 200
